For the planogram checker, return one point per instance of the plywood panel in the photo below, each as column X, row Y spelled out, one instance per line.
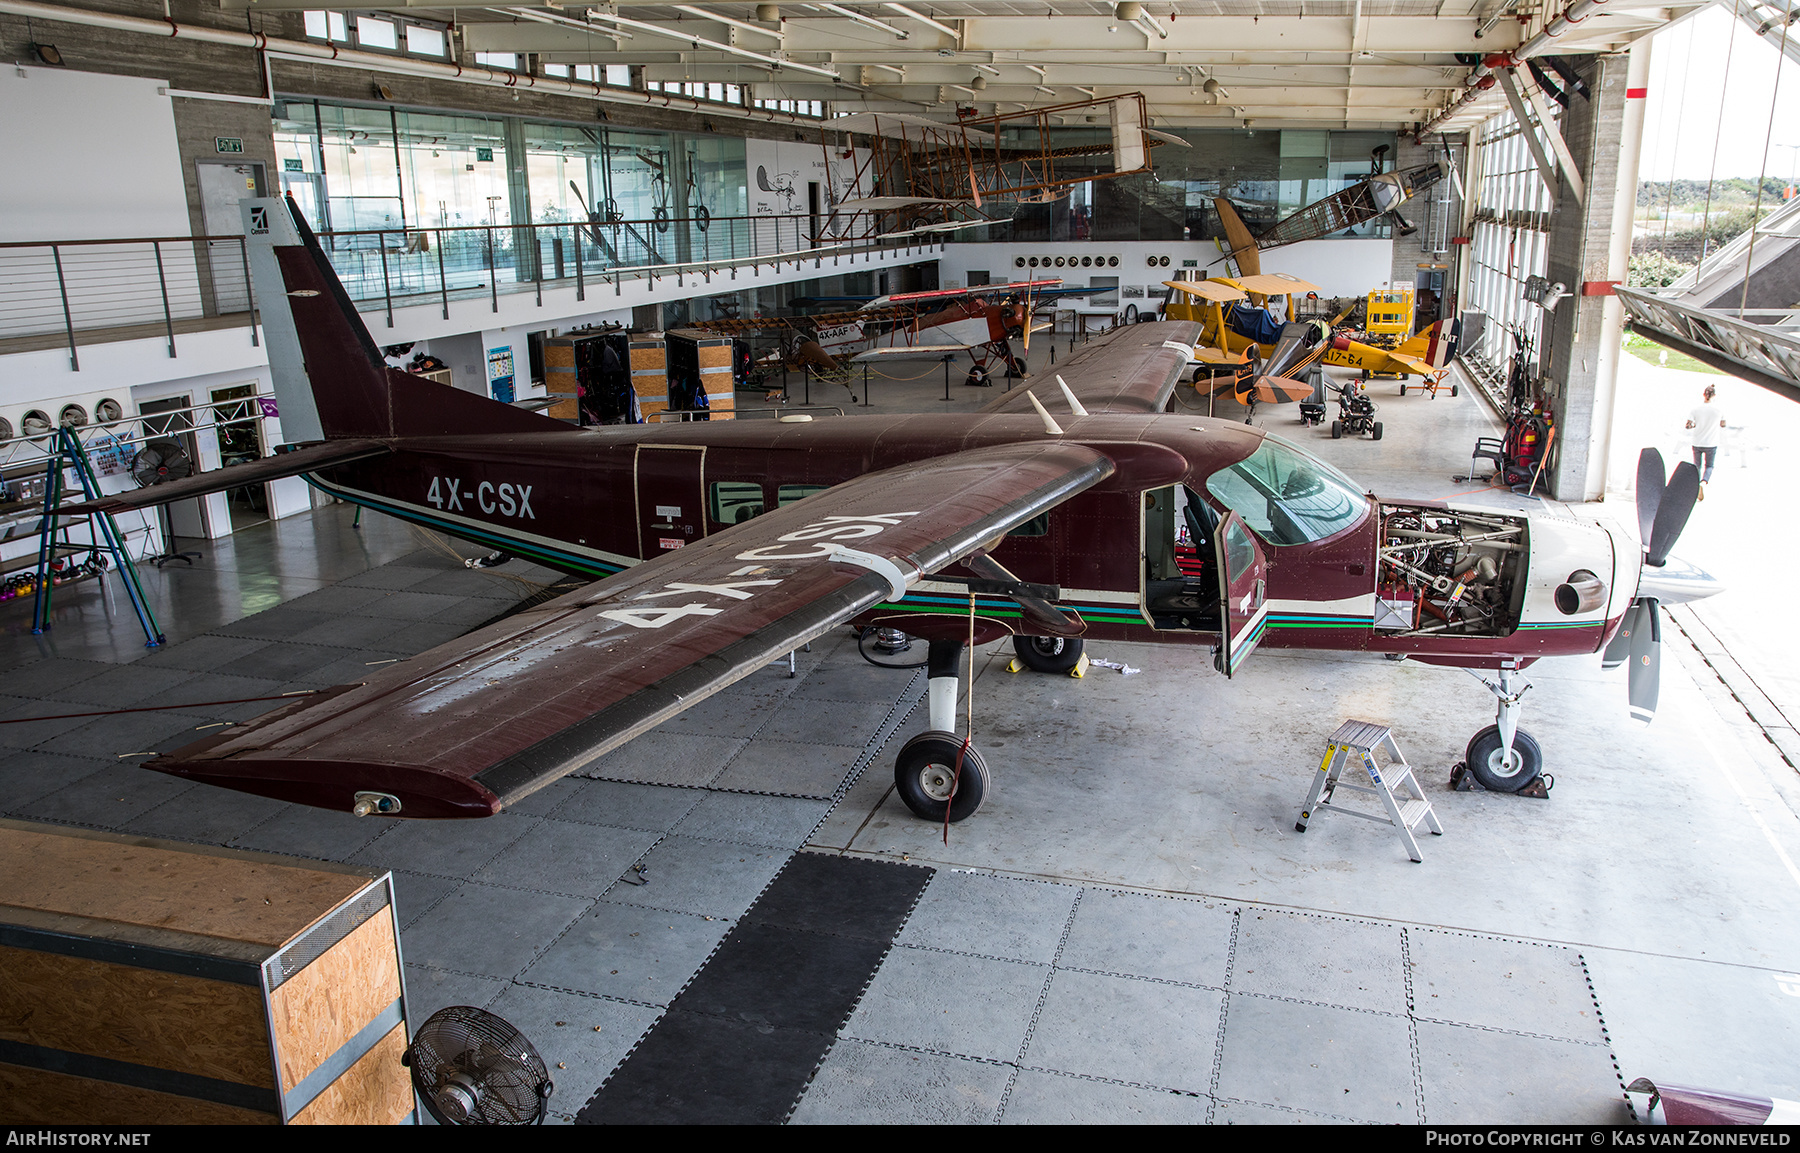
column 136, row 884
column 320, row 1008
column 164, row 1020
column 377, row 1090
column 37, row 1097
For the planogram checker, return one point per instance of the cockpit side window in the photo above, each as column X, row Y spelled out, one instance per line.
column 1287, row 497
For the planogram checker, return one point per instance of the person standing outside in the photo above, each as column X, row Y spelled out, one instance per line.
column 1705, row 425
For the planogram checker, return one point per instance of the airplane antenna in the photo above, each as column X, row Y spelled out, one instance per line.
column 1074, row 405
column 1050, row 426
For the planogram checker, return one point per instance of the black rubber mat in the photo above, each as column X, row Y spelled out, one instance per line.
column 741, row 1042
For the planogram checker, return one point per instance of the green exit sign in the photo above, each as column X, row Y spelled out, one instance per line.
column 228, row 143
column 484, row 154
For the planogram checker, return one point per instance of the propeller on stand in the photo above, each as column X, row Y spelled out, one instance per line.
column 1663, row 510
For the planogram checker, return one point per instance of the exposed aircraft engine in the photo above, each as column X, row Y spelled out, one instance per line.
column 1453, row 572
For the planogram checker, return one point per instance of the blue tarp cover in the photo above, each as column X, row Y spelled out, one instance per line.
column 1256, row 323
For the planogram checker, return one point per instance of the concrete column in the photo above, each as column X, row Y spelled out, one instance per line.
column 1590, row 243
column 518, row 200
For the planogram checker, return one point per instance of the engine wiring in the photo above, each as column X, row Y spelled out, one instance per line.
column 1448, row 571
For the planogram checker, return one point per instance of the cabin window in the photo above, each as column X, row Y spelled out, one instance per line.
column 1287, row 497
column 789, row 493
column 735, row 501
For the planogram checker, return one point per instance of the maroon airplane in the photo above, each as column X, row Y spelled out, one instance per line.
column 723, row 546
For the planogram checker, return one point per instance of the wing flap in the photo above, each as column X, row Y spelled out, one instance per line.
column 1133, row 368
column 476, row 724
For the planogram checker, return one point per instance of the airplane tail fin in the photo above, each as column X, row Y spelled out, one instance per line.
column 1237, row 234
column 357, row 395
column 1437, row 345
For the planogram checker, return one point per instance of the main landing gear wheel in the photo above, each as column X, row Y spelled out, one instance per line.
column 1048, row 654
column 926, row 777
column 1504, row 775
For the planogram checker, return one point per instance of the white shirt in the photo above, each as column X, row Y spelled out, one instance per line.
column 1706, row 419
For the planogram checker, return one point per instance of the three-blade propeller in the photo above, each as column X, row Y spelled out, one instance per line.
column 1663, row 510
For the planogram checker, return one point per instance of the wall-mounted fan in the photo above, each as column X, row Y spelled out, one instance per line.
column 159, row 461
column 471, row 1067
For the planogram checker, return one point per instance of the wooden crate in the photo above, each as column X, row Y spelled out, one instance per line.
column 146, row 981
column 716, row 378
column 560, row 378
column 650, row 375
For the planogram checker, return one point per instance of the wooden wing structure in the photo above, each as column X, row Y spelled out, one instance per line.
column 950, row 169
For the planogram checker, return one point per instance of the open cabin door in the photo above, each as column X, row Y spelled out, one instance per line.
column 1242, row 585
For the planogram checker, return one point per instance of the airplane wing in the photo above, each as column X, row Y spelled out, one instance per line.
column 474, row 725
column 1207, row 290
column 1133, row 368
column 275, row 467
column 1413, row 364
column 910, row 351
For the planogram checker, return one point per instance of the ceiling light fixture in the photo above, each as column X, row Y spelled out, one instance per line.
column 839, row 10
column 654, row 30
column 925, row 20
column 706, row 15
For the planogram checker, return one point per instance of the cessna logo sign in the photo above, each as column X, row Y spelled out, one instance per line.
column 259, row 221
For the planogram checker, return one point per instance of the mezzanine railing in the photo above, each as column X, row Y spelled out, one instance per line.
column 67, row 293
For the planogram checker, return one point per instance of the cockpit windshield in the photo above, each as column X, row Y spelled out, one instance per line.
column 1287, row 497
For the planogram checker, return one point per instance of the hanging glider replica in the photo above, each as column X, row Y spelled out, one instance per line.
column 1380, row 195
column 1013, row 521
column 980, row 321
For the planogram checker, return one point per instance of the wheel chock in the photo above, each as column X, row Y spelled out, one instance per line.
column 1081, row 667
column 1463, row 781
column 1015, row 665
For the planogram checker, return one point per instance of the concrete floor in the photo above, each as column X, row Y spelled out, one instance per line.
column 1129, row 930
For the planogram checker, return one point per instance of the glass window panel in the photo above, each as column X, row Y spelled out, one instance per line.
column 619, row 74
column 789, row 493
column 376, row 33
column 735, row 501
column 556, row 70
column 508, row 60
column 1287, row 497
column 424, row 41
column 317, row 26
column 340, row 27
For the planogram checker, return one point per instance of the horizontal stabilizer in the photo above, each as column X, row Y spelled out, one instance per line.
column 313, row 456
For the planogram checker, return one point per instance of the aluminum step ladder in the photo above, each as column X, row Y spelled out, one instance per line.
column 1355, row 742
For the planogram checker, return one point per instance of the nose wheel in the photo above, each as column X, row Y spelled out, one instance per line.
column 1503, row 757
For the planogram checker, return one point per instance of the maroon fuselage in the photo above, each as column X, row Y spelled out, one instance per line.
column 602, row 499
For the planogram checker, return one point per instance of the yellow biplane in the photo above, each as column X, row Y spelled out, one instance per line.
column 1236, row 323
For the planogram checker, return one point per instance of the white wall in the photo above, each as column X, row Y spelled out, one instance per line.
column 1338, row 267
column 87, row 156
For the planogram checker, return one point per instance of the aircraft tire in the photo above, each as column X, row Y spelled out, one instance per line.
column 1403, row 390
column 1337, row 430
column 1453, row 389
column 925, row 769
column 1483, row 759
column 1048, row 654
column 1375, row 431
